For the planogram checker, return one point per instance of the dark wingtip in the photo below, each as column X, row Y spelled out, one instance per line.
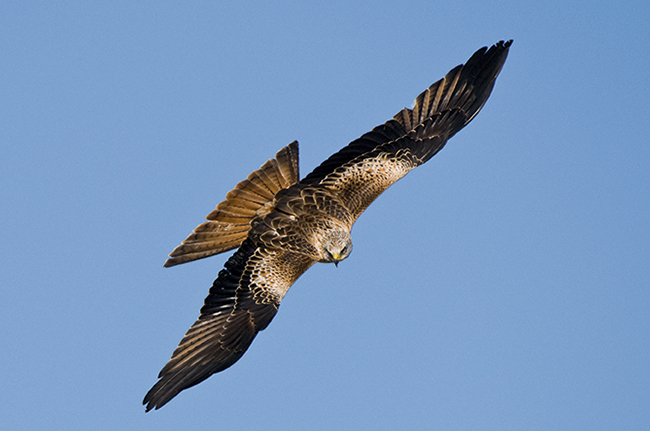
column 153, row 399
column 147, row 402
column 148, row 405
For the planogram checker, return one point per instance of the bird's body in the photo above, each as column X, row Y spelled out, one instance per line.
column 282, row 225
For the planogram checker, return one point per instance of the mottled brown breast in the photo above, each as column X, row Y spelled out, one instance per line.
column 300, row 216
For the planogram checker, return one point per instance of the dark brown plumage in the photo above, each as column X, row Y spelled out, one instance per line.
column 283, row 225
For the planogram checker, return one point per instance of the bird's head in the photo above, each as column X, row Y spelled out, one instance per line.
column 336, row 246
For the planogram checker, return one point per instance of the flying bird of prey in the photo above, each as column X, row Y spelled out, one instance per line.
column 282, row 225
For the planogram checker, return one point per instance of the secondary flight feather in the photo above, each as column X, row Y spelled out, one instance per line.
column 282, row 225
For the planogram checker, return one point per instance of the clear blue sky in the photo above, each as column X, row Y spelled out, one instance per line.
column 504, row 285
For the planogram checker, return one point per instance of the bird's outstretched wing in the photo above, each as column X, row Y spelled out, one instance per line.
column 276, row 220
column 229, row 223
column 242, row 301
column 361, row 171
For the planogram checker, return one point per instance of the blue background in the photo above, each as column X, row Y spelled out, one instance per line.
column 504, row 285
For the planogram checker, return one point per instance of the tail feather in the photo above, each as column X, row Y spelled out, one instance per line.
column 229, row 223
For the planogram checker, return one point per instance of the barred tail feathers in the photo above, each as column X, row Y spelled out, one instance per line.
column 229, row 223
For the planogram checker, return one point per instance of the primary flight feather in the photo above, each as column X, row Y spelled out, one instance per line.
column 282, row 225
